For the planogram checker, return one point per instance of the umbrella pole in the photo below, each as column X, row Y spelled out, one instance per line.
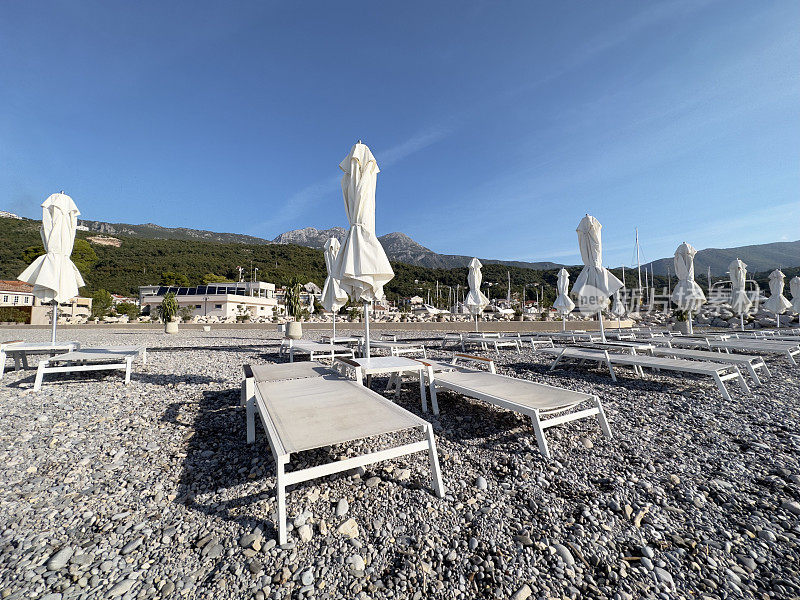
column 741, row 320
column 563, row 322
column 366, row 329
column 333, row 339
column 55, row 321
column 779, row 320
column 602, row 329
column 690, row 329
column 476, row 323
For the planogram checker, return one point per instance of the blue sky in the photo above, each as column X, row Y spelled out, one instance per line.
column 496, row 125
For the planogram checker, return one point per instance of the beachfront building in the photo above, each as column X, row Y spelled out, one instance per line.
column 18, row 294
column 222, row 300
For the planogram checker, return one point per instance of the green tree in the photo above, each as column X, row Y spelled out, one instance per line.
column 128, row 308
column 101, row 303
column 172, row 278
column 31, row 253
column 186, row 313
column 212, row 278
column 83, row 256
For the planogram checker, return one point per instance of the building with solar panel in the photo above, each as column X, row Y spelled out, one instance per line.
column 225, row 301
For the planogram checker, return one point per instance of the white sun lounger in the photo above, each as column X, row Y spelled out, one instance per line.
column 20, row 351
column 395, row 348
column 323, row 410
column 718, row 371
column 756, row 346
column 484, row 342
column 749, row 362
column 110, row 358
column 315, row 350
column 546, row 405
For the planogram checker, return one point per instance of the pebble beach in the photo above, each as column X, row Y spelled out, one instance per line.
column 149, row 490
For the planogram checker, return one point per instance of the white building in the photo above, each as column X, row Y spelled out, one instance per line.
column 221, row 300
column 16, row 293
column 19, row 294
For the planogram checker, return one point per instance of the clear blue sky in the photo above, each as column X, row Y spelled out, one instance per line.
column 496, row 125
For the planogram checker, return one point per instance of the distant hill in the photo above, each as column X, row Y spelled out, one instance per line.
column 153, row 231
column 401, row 248
column 761, row 257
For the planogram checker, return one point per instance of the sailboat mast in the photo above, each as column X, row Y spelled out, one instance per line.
column 638, row 261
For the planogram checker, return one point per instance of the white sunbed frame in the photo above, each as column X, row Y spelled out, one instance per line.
column 485, row 341
column 256, row 404
column 758, row 346
column 395, row 348
column 91, row 359
column 541, row 419
column 718, row 371
column 315, row 350
column 19, row 351
column 751, row 362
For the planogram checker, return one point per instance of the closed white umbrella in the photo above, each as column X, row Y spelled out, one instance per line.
column 333, row 296
column 687, row 295
column 595, row 284
column 53, row 275
column 361, row 265
column 777, row 302
column 563, row 303
column 740, row 303
column 618, row 309
column 475, row 300
column 794, row 285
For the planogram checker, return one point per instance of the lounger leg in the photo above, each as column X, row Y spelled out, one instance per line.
column 2, row 363
column 247, row 390
column 390, row 382
column 128, row 362
column 742, row 382
column 39, row 375
column 26, row 366
column 433, row 458
column 398, row 383
column 766, row 368
column 422, row 395
column 280, row 464
column 791, row 358
column 432, row 388
column 611, row 370
column 537, row 429
column 601, row 418
column 144, row 357
column 251, row 419
column 753, row 374
column 557, row 360
column 17, row 363
column 291, row 354
column 721, row 387
column 424, row 352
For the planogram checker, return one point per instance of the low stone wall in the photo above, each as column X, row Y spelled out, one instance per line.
column 487, row 326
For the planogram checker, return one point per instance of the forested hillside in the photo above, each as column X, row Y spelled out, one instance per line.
column 138, row 261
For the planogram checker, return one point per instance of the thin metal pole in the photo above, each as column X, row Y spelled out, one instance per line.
column 366, row 328
column 333, row 339
column 55, row 321
column 602, row 329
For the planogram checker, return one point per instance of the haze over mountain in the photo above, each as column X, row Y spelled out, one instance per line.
column 401, row 248
column 760, row 257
